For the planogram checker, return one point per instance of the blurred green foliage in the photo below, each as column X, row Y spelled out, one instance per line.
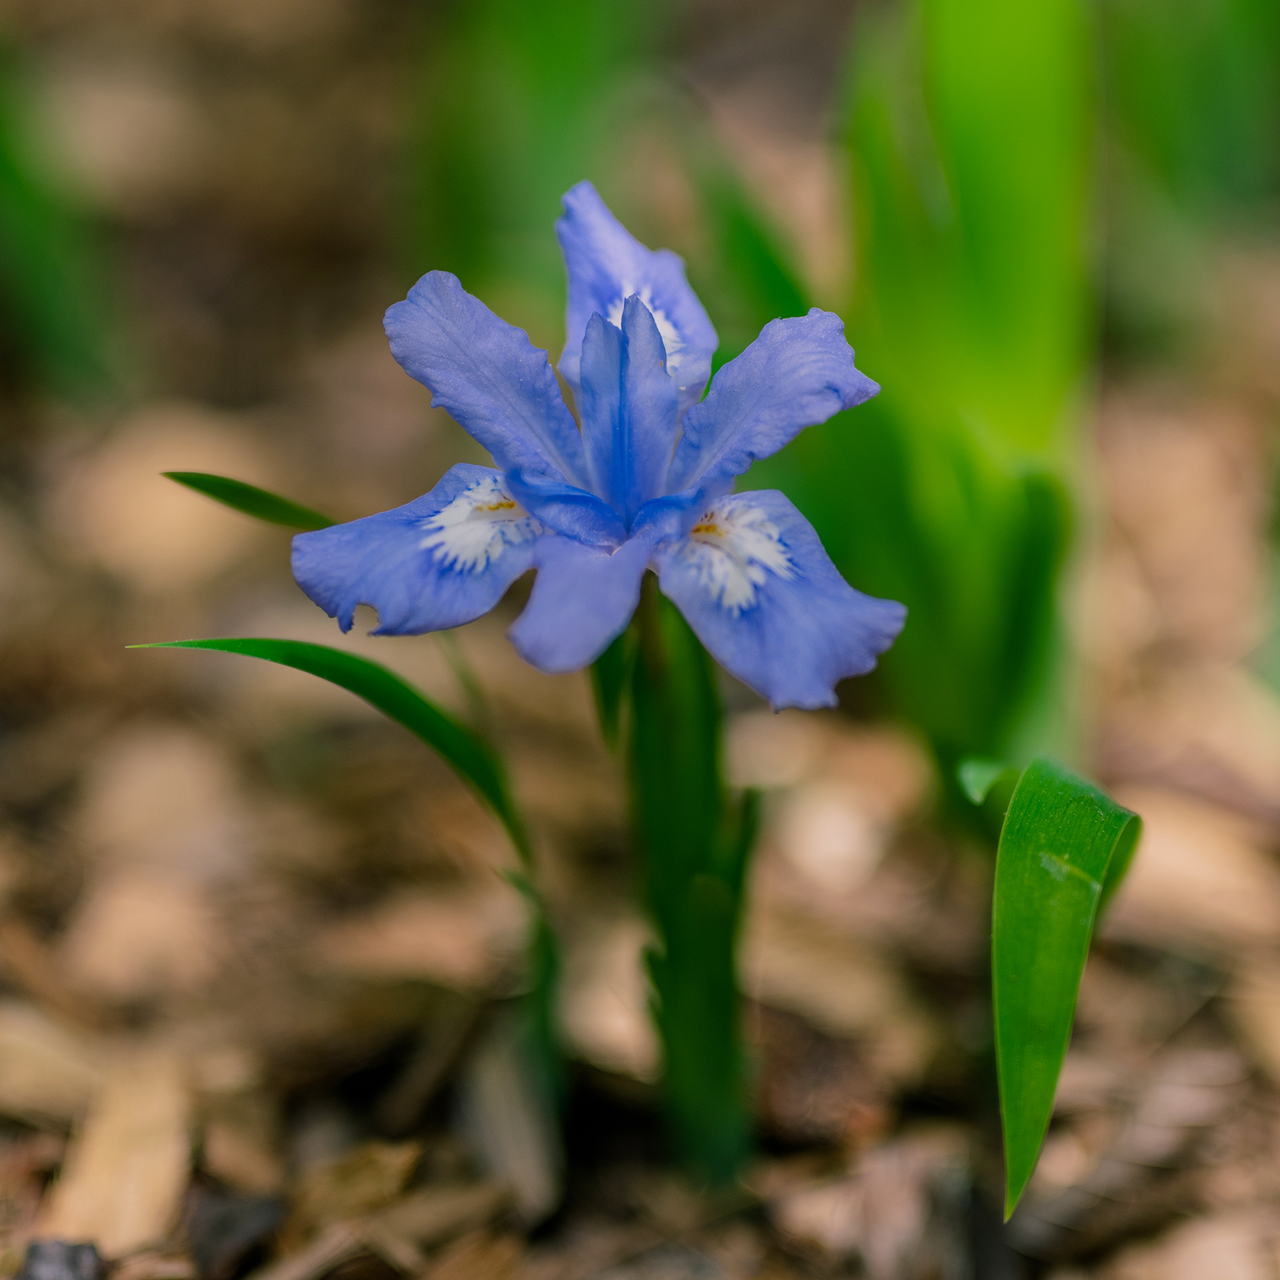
column 1195, row 94
column 968, row 128
column 971, row 134
column 53, row 310
column 1192, row 99
column 518, row 102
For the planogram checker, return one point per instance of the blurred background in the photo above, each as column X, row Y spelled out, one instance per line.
column 256, row 964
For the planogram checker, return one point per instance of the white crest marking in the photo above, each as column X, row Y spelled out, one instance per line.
column 671, row 339
column 472, row 531
column 734, row 548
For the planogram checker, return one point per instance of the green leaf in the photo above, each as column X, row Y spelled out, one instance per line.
column 968, row 131
column 1063, row 851
column 694, row 851
column 473, row 759
column 54, row 291
column 517, row 103
column 978, row 776
column 609, row 675
column 741, row 268
column 1196, row 101
column 251, row 500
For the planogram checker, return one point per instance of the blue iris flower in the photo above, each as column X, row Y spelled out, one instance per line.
column 646, row 483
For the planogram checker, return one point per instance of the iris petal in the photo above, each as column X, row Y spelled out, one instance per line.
column 606, row 265
column 437, row 562
column 649, row 404
column 569, row 510
column 492, row 380
column 796, row 374
column 582, row 600
column 629, row 409
column 762, row 595
column 600, row 403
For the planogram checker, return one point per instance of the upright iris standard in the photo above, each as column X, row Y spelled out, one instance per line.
column 645, row 483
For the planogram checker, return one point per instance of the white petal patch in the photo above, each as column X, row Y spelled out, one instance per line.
column 733, row 548
column 475, row 528
column 670, row 334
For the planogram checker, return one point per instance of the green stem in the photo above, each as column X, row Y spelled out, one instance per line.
column 694, row 847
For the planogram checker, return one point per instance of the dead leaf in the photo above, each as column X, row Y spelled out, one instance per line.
column 508, row 1123
column 1229, row 1247
column 898, row 1208
column 1200, row 878
column 368, row 1178
column 1253, row 1004
column 140, row 935
column 48, row 1073
column 842, row 986
column 460, row 938
column 127, row 1170
column 116, row 509
column 604, row 996
column 481, row 1256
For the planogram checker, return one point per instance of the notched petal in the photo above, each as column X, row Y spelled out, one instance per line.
column 439, row 561
column 796, row 374
column 487, row 374
column 760, row 592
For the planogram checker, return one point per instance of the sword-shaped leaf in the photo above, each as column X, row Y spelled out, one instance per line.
column 1064, row 848
column 251, row 500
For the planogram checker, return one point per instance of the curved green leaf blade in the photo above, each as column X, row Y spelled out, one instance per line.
column 1063, row 850
column 469, row 755
column 251, row 500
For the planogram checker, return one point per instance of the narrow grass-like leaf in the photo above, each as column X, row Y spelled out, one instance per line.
column 252, row 501
column 468, row 681
column 1063, row 850
column 470, row 756
column 610, row 673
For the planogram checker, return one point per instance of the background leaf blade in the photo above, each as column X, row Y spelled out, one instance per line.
column 250, row 500
column 54, row 280
column 1053, row 872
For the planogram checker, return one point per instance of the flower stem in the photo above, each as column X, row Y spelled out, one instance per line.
column 694, row 846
